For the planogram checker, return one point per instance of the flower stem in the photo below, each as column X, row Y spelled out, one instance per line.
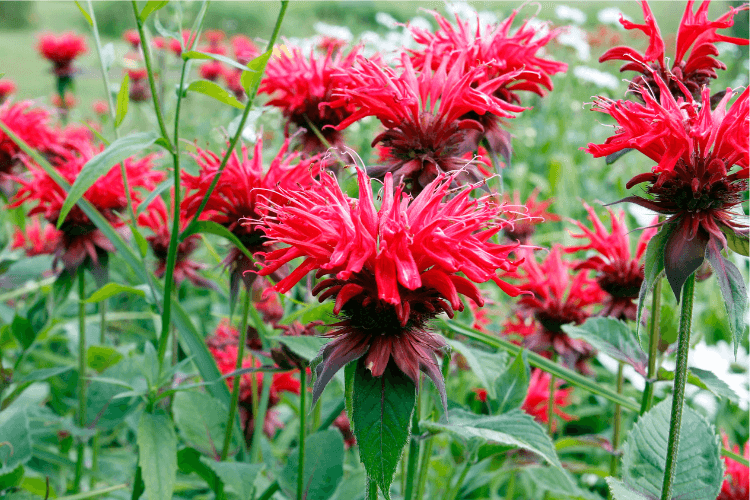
column 452, row 494
column 245, row 113
column 372, row 489
column 653, row 344
column 302, row 433
column 81, row 377
column 102, row 321
column 411, row 469
column 236, row 382
column 255, row 452
column 424, row 467
column 551, row 400
column 678, row 394
column 617, row 424
column 273, row 488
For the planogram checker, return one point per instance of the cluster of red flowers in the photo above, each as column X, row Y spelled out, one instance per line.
column 736, row 486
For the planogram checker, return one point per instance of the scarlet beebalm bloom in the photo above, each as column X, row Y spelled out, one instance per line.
column 558, row 296
column 529, row 215
column 244, row 49
column 693, row 183
column 299, row 84
column 30, row 124
column 62, row 50
column 619, row 273
column 514, row 56
column 7, row 87
column 695, row 31
column 187, row 41
column 157, row 220
column 391, row 270
column 238, row 195
column 81, row 240
column 536, row 403
column 100, row 107
column 214, row 37
column 36, row 239
column 212, row 70
column 736, row 486
column 423, row 116
column 133, row 38
column 139, row 90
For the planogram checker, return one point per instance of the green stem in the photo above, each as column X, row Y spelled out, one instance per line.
column 653, row 344
column 103, row 321
column 411, row 469
column 302, row 433
column 424, row 466
column 372, row 489
column 680, row 378
column 617, row 424
column 81, row 377
column 255, row 452
column 268, row 493
column 240, row 128
column 92, row 494
column 453, row 493
column 236, row 382
column 94, row 460
column 510, row 490
column 551, row 401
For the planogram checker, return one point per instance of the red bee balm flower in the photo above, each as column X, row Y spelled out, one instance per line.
column 36, row 239
column 736, row 486
column 61, row 50
column 536, row 403
column 30, row 124
column 299, row 84
column 422, row 113
column 133, row 38
column 7, row 87
column 244, row 49
column 696, row 148
column 391, row 270
column 694, row 72
column 530, row 214
column 619, row 274
column 139, row 90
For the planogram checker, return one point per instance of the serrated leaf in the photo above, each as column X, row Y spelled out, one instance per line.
column 210, row 227
column 732, row 288
column 487, row 366
column 515, row 428
column 215, row 91
column 153, row 194
column 22, row 331
column 99, row 358
column 41, row 374
column 381, row 415
column 653, row 266
column 88, row 20
column 238, row 476
column 102, row 163
column 251, row 76
column 511, row 386
column 123, row 98
column 151, row 7
column 739, row 243
column 323, row 470
column 15, row 439
column 195, row 54
column 709, row 381
column 112, row 289
column 621, row 492
column 699, row 469
column 612, row 337
column 305, row 347
column 157, row 455
column 201, row 421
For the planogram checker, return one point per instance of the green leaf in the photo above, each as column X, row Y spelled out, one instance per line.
column 41, row 374
column 153, row 194
column 238, row 476
column 99, row 357
column 732, row 288
column 88, row 20
column 324, row 466
column 653, row 266
column 214, row 90
column 739, row 243
column 514, row 428
column 189, row 461
column 210, row 227
column 151, row 7
column 621, row 492
column 709, row 381
column 381, row 414
column 699, row 469
column 22, row 331
column 250, row 78
column 11, row 479
column 201, row 420
column 140, row 241
column 304, row 347
column 15, row 439
column 97, row 134
column 487, row 366
column 195, row 54
column 157, row 455
column 112, row 289
column 123, row 98
column 612, row 337
column 558, row 482
column 102, row 163
column 349, row 370
column 38, row 315
column 105, row 403
column 511, row 386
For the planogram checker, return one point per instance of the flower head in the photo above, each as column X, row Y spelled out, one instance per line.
column 212, row 70
column 389, row 270
column 36, row 239
column 299, row 84
column 28, row 122
column 619, row 273
column 139, row 90
column 100, row 107
column 702, row 168
column 244, row 49
column 62, row 50
column 423, row 116
column 133, row 38
column 530, row 214
column 176, row 46
column 693, row 72
column 536, row 403
column 69, row 102
column 736, row 486
column 7, row 87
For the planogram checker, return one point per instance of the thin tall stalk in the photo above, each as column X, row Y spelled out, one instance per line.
column 653, row 344
column 617, row 428
column 678, row 394
column 411, row 468
column 81, row 378
column 302, row 434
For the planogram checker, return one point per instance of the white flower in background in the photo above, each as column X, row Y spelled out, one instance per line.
column 599, row 78
column 304, row 44
column 611, row 15
column 341, row 32
column 420, row 23
column 462, row 9
column 387, row 20
column 575, row 37
column 570, row 14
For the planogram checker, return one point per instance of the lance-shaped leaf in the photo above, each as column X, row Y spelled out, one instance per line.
column 732, row 288
column 653, row 266
column 738, row 242
column 212, row 89
column 612, row 337
column 102, row 163
column 151, row 7
column 211, row 227
column 305, row 347
column 250, row 78
column 237, row 476
column 195, row 54
column 487, row 366
column 123, row 98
